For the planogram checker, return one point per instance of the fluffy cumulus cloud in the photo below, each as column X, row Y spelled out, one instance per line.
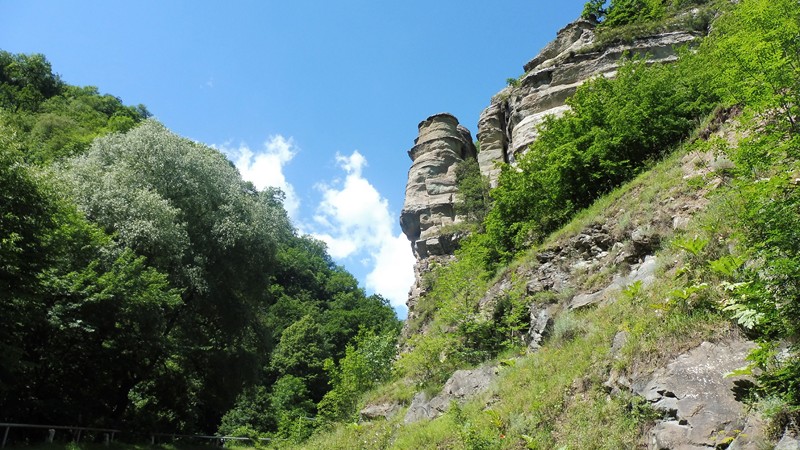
column 264, row 167
column 354, row 220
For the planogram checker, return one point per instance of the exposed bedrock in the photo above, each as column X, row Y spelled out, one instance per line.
column 511, row 121
column 431, row 187
column 431, row 194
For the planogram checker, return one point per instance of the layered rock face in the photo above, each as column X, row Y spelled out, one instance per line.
column 431, row 190
column 431, row 187
column 505, row 129
column 510, row 122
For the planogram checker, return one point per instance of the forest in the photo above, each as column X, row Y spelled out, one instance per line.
column 146, row 286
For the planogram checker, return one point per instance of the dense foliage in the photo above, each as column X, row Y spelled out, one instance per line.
column 614, row 128
column 140, row 264
column 624, row 12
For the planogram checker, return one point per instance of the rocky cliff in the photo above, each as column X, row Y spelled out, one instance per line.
column 430, row 192
column 510, row 122
column 505, row 128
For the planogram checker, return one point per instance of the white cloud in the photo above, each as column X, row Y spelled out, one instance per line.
column 264, row 168
column 393, row 273
column 355, row 213
column 353, row 219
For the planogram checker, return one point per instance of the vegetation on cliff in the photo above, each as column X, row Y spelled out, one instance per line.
column 157, row 232
column 733, row 269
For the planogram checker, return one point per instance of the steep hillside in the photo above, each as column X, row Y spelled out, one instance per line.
column 633, row 282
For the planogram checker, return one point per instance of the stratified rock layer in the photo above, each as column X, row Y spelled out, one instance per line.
column 431, row 188
column 511, row 121
column 431, row 194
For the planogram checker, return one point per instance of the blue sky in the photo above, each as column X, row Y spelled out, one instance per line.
column 319, row 97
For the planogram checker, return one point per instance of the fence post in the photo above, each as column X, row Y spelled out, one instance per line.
column 51, row 433
column 5, row 437
column 106, row 439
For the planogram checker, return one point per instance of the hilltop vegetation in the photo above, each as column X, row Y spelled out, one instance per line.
column 146, row 286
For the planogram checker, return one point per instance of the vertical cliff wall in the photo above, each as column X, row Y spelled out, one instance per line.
column 431, row 192
column 510, row 123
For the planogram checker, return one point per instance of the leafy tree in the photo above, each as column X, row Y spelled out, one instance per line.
column 78, row 309
column 26, row 81
column 184, row 207
column 593, row 10
column 473, row 199
column 756, row 57
column 366, row 363
column 301, row 352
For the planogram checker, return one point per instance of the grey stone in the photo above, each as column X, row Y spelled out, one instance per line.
column 381, row 410
column 541, row 325
column 462, row 385
column 753, row 435
column 620, row 339
column 420, row 409
column 694, row 392
column 788, row 442
column 583, row 300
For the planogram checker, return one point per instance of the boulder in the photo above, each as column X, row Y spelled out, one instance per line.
column 462, row 385
column 788, row 442
column 380, row 410
column 697, row 398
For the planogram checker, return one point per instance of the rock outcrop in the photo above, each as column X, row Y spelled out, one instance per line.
column 431, row 193
column 510, row 122
column 698, row 399
column 431, row 187
column 462, row 385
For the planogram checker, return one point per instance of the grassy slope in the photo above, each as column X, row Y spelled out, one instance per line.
column 555, row 398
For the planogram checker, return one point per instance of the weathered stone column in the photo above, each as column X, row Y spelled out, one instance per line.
column 431, row 194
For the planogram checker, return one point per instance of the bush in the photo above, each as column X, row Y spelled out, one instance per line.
column 616, row 126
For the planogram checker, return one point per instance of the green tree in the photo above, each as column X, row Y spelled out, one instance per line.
column 756, row 57
column 472, row 201
column 367, row 362
column 301, row 352
column 186, row 209
column 78, row 309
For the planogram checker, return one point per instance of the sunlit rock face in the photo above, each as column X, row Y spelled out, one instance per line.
column 431, row 194
column 510, row 123
column 431, row 187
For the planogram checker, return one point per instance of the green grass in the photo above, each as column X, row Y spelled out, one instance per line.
column 556, row 398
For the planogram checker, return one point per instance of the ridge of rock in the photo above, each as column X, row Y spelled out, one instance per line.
column 510, row 123
column 430, row 193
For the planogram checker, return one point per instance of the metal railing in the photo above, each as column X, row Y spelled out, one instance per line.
column 110, row 434
column 8, row 426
